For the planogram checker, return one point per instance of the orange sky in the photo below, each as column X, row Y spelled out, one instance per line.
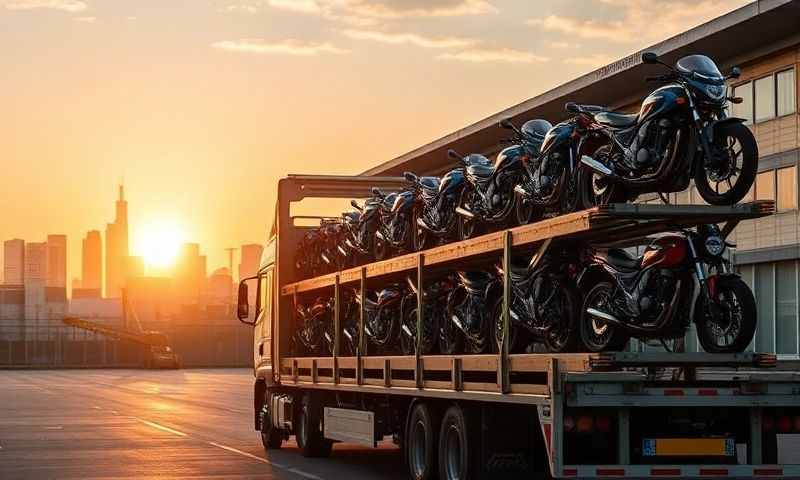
column 201, row 105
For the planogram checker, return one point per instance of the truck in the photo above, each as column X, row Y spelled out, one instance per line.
column 646, row 414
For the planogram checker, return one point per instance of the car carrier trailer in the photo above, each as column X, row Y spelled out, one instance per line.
column 504, row 415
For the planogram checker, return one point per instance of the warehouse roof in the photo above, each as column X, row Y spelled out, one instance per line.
column 754, row 30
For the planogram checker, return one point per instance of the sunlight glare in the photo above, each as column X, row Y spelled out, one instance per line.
column 159, row 243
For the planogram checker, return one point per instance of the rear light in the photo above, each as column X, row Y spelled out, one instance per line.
column 585, row 423
column 767, row 424
column 602, row 424
column 785, row 424
column 569, row 423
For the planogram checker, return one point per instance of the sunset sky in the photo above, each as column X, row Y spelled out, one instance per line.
column 201, row 105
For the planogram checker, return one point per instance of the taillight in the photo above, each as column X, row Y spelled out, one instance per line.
column 569, row 423
column 785, row 424
column 585, row 423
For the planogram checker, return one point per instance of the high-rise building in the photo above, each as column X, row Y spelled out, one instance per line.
column 35, row 281
column 190, row 273
column 117, row 248
column 14, row 262
column 57, row 261
column 92, row 261
column 251, row 258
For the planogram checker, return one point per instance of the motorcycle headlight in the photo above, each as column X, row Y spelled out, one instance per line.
column 715, row 92
column 715, row 245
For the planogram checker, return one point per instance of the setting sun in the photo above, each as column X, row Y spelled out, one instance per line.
column 159, row 242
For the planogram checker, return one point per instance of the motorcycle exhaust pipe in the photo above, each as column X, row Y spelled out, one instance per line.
column 341, row 250
column 407, row 331
column 380, row 235
column 604, row 315
column 597, row 166
column 347, row 334
column 464, row 212
column 325, row 258
column 520, row 190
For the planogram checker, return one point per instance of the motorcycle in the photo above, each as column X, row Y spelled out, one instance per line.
column 332, row 237
column 312, row 322
column 361, row 226
column 382, row 319
column 434, row 211
column 545, row 306
column 469, row 313
column 434, row 301
column 348, row 315
column 489, row 196
column 395, row 226
column 682, row 131
column 681, row 277
column 307, row 260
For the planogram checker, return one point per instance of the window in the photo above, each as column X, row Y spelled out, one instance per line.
column 765, row 185
column 747, row 271
column 786, row 95
column 765, row 98
column 786, row 312
column 765, row 334
column 744, row 109
column 787, row 188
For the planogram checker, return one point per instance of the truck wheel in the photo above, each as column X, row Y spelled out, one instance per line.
column 458, row 447
column 420, row 442
column 271, row 437
column 308, row 433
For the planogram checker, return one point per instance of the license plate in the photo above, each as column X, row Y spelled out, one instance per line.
column 688, row 447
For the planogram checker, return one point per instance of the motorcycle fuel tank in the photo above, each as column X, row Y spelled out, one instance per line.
column 668, row 251
column 663, row 101
column 557, row 136
column 509, row 156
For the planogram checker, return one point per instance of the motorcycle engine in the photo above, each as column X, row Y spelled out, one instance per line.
column 650, row 145
column 656, row 293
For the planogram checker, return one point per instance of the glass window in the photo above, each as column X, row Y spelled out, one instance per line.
column 744, row 109
column 765, row 98
column 787, row 94
column 765, row 185
column 746, row 271
column 765, row 298
column 787, row 188
column 786, row 312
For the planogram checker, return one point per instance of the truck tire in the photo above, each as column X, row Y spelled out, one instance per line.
column 458, row 445
column 420, row 441
column 309, row 433
column 271, row 437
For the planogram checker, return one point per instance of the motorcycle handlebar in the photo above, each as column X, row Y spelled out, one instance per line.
column 455, row 155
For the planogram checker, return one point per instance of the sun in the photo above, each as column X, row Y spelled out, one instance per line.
column 159, row 242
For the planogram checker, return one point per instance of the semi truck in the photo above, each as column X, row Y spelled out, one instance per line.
column 591, row 415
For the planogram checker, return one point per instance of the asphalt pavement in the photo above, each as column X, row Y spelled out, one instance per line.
column 198, row 424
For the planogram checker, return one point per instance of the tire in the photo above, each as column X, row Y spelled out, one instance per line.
column 421, row 442
column 451, row 339
column 271, row 437
column 589, row 196
column 467, row 227
column 599, row 336
column 523, row 211
column 567, row 338
column 459, row 449
column 732, row 293
column 747, row 172
column 518, row 338
column 419, row 235
column 309, row 433
column 380, row 249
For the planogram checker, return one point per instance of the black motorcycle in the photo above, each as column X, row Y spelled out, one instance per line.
column 434, row 304
column 361, row 228
column 396, row 225
column 469, row 313
column 307, row 256
column 681, row 131
column 332, row 236
column 545, row 306
column 434, row 213
column 681, row 277
column 489, row 196
column 383, row 312
column 348, row 318
column 311, row 324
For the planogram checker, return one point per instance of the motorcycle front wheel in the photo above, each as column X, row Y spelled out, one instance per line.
column 563, row 337
column 419, row 235
column 597, row 334
column 380, row 249
column 518, row 337
column 729, row 182
column 467, row 226
column 593, row 191
column 726, row 324
column 524, row 211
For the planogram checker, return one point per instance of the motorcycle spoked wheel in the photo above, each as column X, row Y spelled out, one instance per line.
column 518, row 337
column 737, row 173
column 565, row 337
column 726, row 324
column 467, row 227
column 419, row 235
column 384, row 339
column 380, row 249
column 596, row 334
column 408, row 343
column 592, row 191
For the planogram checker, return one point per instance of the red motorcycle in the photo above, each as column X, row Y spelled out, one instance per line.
column 680, row 278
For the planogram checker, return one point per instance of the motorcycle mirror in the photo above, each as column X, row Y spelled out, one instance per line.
column 355, row 205
column 736, row 72
column 571, row 107
column 506, row 123
column 376, row 191
column 453, row 154
column 410, row 177
column 649, row 57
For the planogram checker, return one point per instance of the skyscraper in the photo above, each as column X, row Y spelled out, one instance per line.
column 190, row 273
column 35, row 280
column 14, row 262
column 117, row 248
column 92, row 261
column 57, row 261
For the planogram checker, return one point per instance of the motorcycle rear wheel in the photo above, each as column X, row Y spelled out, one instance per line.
column 742, row 151
column 518, row 336
column 597, row 335
column 736, row 318
column 565, row 339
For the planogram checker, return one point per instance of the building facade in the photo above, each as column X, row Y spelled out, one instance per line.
column 14, row 262
column 117, row 248
column 92, row 261
column 57, row 261
column 763, row 39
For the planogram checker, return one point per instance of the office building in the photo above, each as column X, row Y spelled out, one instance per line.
column 57, row 261
column 14, row 262
column 117, row 248
column 92, row 261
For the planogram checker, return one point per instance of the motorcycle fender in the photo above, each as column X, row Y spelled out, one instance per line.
column 711, row 128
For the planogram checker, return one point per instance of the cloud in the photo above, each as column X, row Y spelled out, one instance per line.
column 363, row 12
column 281, row 47
column 409, row 39
column 564, row 45
column 300, row 6
column 85, row 19
column 639, row 21
column 486, row 55
column 63, row 5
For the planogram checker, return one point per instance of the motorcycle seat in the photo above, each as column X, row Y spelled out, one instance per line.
column 430, row 183
column 476, row 280
column 621, row 259
column 616, row 119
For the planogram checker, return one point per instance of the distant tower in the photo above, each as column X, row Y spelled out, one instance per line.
column 117, row 248
column 92, row 261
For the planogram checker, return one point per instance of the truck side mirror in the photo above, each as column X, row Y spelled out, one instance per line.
column 243, row 305
column 649, row 57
